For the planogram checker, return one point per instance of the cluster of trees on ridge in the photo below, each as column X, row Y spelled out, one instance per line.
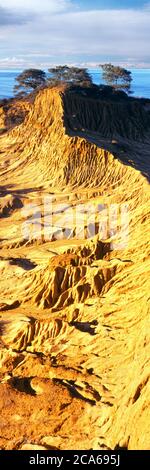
column 32, row 79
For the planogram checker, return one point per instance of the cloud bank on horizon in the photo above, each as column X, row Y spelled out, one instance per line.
column 37, row 33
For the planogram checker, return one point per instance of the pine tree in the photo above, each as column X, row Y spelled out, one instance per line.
column 70, row 75
column 117, row 77
column 29, row 80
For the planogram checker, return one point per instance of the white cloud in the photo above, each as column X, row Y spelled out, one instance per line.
column 9, row 17
column 51, row 6
column 117, row 32
column 79, row 36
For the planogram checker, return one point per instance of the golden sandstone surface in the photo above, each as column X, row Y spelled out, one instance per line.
column 74, row 286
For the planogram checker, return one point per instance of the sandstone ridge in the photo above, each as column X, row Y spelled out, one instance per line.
column 74, row 303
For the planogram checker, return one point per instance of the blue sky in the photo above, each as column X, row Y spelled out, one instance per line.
column 110, row 4
column 39, row 33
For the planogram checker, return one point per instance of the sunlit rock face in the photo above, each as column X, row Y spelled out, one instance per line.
column 74, row 283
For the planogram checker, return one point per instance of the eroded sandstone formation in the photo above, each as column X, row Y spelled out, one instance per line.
column 75, row 303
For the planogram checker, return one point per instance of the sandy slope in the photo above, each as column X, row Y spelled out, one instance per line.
column 75, row 306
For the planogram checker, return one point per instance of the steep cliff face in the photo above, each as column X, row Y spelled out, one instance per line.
column 75, row 295
column 128, row 119
column 43, row 139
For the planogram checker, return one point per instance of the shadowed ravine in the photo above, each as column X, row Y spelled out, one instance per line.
column 74, row 304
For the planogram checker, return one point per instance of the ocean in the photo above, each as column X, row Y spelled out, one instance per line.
column 140, row 84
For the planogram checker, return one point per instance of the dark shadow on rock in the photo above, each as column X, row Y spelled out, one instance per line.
column 86, row 327
column 23, row 263
column 22, row 385
column 4, row 307
column 112, row 121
